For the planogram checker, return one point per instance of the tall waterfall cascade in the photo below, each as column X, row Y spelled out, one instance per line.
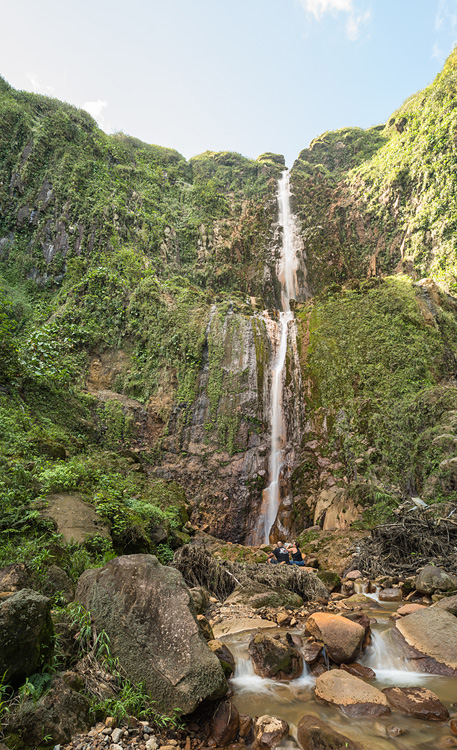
column 287, row 275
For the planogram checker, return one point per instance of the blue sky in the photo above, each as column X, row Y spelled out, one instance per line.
column 242, row 75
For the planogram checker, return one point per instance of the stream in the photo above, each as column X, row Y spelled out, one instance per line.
column 257, row 696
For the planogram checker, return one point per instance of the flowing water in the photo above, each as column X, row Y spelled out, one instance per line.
column 287, row 275
column 257, row 696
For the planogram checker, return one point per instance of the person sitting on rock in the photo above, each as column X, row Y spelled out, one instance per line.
column 297, row 557
column 279, row 556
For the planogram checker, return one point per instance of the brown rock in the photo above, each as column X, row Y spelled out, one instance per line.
column 15, row 577
column 453, row 726
column 205, row 627
column 418, row 702
column 353, row 575
column 311, row 651
column 390, row 595
column 274, row 659
column 430, row 636
column 408, row 609
column 314, row 734
column 75, row 519
column 351, row 694
column 246, row 730
column 361, row 601
column 449, row 603
column 224, row 655
column 358, row 670
column 225, row 724
column 269, row 731
column 341, row 637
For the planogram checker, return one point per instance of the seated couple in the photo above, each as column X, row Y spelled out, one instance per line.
column 286, row 554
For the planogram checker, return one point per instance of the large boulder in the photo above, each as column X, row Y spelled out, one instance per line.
column 351, row 694
column 418, row 702
column 75, row 519
column 314, row 734
column 274, row 659
column 432, row 579
column 58, row 715
column 146, row 610
column 225, row 724
column 341, row 637
column 26, row 634
column 429, row 638
column 258, row 595
column 15, row 577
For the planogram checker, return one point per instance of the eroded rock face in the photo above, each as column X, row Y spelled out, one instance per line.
column 269, row 731
column 351, row 694
column 341, row 637
column 418, row 702
column 25, row 634
column 274, row 659
column 432, row 579
column 314, row 734
column 429, row 637
column 146, row 610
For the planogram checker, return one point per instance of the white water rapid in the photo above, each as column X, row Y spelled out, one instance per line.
column 288, row 277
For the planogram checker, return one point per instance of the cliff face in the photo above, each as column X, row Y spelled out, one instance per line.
column 133, row 325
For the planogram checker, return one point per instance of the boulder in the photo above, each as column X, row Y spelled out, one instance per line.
column 269, row 731
column 146, row 610
column 26, row 634
column 449, row 604
column 341, row 637
column 59, row 583
column 429, row 637
column 330, row 579
column 225, row 724
column 311, row 651
column 246, row 731
column 432, row 579
column 224, row 655
column 75, row 519
column 274, row 659
column 258, row 595
column 15, row 577
column 353, row 575
column 58, row 715
column 351, row 694
column 359, row 670
column 408, row 609
column 360, row 600
column 418, row 702
column 205, row 627
column 314, row 734
column 390, row 595
column 240, row 624
column 200, row 597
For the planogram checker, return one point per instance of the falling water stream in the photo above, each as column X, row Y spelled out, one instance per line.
column 288, row 277
column 290, row 701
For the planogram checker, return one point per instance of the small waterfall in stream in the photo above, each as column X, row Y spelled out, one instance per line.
column 288, row 277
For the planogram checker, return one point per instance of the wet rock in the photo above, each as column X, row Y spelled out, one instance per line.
column 225, row 724
column 314, row 734
column 330, row 579
column 146, row 610
column 75, row 519
column 360, row 600
column 432, row 579
column 358, row 670
column 239, row 624
column 351, row 694
column 353, row 575
column 205, row 628
column 449, row 604
column 26, row 634
column 311, row 651
column 408, row 609
column 341, row 637
column 201, row 598
column 269, row 731
column 58, row 714
column 390, row 595
column 429, row 637
column 274, row 659
column 58, row 582
column 224, row 655
column 246, row 730
column 257, row 595
column 416, row 701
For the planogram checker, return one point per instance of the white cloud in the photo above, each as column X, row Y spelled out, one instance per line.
column 355, row 20
column 96, row 109
column 37, row 85
column 318, row 7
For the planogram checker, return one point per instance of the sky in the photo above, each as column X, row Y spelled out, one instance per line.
column 240, row 75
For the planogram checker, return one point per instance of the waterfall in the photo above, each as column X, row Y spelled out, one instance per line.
column 287, row 274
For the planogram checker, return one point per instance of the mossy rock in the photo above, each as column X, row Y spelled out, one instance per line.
column 257, row 595
column 330, row 579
